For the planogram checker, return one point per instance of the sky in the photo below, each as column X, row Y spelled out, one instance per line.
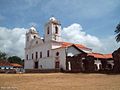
column 89, row 22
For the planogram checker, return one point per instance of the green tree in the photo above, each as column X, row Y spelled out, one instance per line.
column 15, row 59
column 3, row 56
column 117, row 31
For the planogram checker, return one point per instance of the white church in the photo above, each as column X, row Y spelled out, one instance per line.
column 50, row 52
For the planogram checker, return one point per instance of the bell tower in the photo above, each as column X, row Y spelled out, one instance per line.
column 53, row 30
column 30, row 36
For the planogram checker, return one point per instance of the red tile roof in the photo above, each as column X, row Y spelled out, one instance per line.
column 80, row 46
column 96, row 55
column 66, row 44
column 16, row 65
column 5, row 63
column 108, row 55
column 102, row 56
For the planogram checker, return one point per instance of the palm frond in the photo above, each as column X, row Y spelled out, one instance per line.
column 118, row 38
column 117, row 29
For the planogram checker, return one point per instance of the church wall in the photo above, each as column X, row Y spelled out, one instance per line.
column 41, row 48
column 46, row 63
column 54, row 34
column 48, row 36
column 44, row 60
column 29, row 64
column 61, row 58
column 55, row 45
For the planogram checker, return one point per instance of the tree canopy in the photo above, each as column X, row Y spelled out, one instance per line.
column 15, row 59
column 11, row 59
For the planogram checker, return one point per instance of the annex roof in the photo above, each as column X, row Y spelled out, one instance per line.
column 80, row 46
column 16, row 65
column 102, row 56
column 6, row 63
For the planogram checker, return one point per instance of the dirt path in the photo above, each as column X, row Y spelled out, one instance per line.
column 59, row 81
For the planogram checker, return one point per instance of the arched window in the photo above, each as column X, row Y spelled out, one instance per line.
column 48, row 53
column 48, row 30
column 56, row 30
column 40, row 54
column 32, row 55
column 27, row 57
column 36, row 55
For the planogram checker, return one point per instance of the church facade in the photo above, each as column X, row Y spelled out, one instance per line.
column 51, row 52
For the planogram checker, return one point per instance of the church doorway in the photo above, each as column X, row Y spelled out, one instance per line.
column 36, row 65
column 57, row 64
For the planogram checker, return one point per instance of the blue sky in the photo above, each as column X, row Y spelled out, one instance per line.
column 98, row 18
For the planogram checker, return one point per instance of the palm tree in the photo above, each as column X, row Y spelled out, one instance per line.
column 117, row 31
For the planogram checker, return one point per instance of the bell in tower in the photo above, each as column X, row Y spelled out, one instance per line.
column 53, row 30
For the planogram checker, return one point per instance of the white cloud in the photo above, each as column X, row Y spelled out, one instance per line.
column 109, row 45
column 12, row 41
column 75, row 34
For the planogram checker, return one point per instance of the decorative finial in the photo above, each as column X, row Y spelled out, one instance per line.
column 52, row 18
column 33, row 25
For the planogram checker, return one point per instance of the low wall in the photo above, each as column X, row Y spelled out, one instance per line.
column 7, row 71
column 42, row 70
